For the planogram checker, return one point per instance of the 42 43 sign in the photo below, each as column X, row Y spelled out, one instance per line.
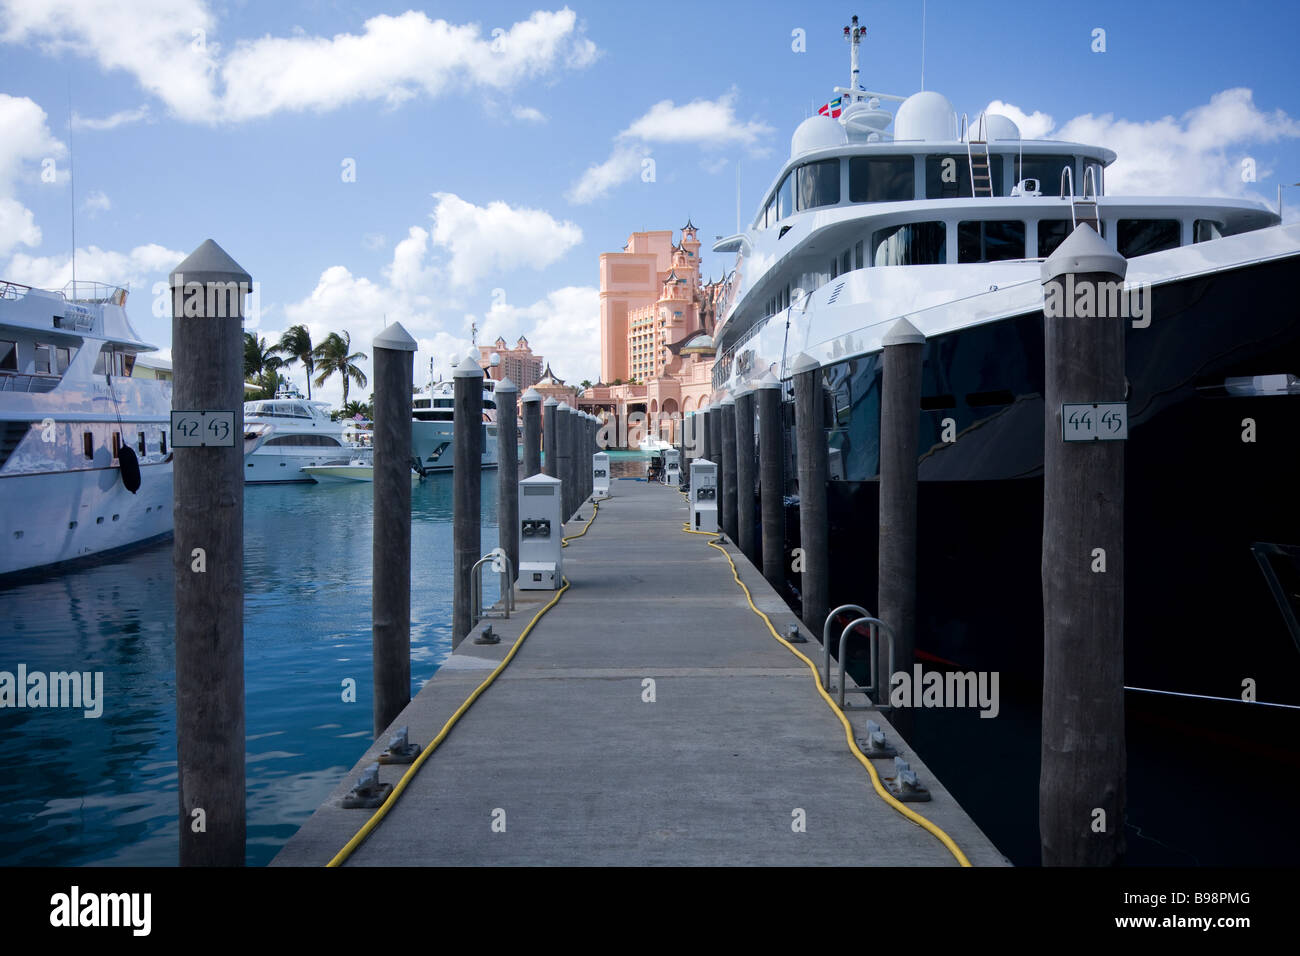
column 203, row 429
column 1094, row 421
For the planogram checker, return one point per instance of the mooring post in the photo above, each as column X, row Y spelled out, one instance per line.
column 705, row 443
column 715, row 440
column 208, row 291
column 564, row 458
column 1082, row 783
column 688, row 444
column 390, row 612
column 467, row 490
column 900, row 412
column 747, row 536
column 771, row 479
column 727, row 428
column 814, row 529
column 507, row 398
column 532, row 400
column 549, row 456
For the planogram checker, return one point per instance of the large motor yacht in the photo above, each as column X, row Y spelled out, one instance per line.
column 286, row 433
column 433, row 426
column 924, row 214
column 85, row 467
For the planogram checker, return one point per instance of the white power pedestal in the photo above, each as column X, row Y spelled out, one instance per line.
column 672, row 467
column 704, row 495
column 600, row 473
column 541, row 558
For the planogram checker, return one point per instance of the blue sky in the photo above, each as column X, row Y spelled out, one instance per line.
column 491, row 170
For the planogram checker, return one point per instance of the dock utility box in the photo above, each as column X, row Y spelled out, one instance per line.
column 704, row 495
column 600, row 473
column 672, row 467
column 540, row 555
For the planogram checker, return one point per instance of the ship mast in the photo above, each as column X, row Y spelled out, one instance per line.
column 854, row 35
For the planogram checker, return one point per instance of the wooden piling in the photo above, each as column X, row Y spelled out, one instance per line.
column 771, row 480
column 747, row 533
column 507, row 398
column 814, row 529
column 727, row 478
column 532, row 401
column 1083, row 776
column 208, row 557
column 467, row 491
column 549, row 456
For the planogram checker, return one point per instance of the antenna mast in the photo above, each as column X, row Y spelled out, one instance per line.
column 72, row 193
column 854, row 35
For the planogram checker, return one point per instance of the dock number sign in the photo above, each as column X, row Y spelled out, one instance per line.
column 206, row 429
column 1104, row 421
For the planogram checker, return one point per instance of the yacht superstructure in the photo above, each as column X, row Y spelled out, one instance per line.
column 924, row 214
column 286, row 433
column 77, row 429
column 433, row 427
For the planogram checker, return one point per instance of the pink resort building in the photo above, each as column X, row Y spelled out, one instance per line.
column 519, row 363
column 656, row 331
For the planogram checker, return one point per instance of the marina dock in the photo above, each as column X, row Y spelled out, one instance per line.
column 648, row 718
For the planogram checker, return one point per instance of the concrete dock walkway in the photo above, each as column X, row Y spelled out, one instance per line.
column 565, row 761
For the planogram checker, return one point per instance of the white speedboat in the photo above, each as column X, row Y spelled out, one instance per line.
column 433, row 431
column 286, row 433
column 361, row 468
column 85, row 467
column 917, row 213
column 652, row 444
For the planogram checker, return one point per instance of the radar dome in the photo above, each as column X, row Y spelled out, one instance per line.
column 925, row 116
column 997, row 126
column 817, row 132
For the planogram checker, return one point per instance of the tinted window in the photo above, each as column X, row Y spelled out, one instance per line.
column 44, row 358
column 948, row 177
column 1203, row 231
column 1140, row 237
column 911, row 244
column 881, row 179
column 1051, row 233
column 990, row 241
column 819, row 184
column 9, row 356
column 1047, row 170
column 785, row 198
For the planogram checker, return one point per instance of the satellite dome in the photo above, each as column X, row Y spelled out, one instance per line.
column 817, row 132
column 997, row 126
column 926, row 116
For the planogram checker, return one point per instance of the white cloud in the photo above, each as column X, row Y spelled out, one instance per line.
column 96, row 202
column 120, row 118
column 170, row 47
column 137, row 270
column 564, row 328
column 1197, row 154
column 623, row 165
column 374, row 241
column 25, row 144
column 713, row 166
column 529, row 114
column 709, row 123
column 497, row 238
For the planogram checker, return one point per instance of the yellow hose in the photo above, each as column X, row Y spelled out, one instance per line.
column 885, row 795
column 411, row 771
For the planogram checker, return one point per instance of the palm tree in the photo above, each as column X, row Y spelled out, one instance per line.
column 296, row 344
column 261, row 362
column 332, row 356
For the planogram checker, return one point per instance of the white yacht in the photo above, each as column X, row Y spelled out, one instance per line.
column 85, row 467
column 285, row 433
column 432, row 428
column 923, row 214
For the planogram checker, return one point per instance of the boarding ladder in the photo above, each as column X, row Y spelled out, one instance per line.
column 977, row 158
column 1082, row 208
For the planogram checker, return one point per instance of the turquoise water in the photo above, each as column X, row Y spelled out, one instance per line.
column 75, row 790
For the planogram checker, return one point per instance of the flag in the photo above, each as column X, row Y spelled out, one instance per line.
column 832, row 109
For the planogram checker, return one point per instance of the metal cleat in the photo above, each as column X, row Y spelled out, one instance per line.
column 400, row 750
column 793, row 636
column 875, row 744
column 367, row 793
column 905, row 786
column 487, row 636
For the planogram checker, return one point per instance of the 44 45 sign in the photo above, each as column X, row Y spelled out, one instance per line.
column 203, row 429
column 1094, row 421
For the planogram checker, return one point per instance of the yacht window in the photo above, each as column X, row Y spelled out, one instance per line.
column 1051, row 233
column 117, row 443
column 835, row 269
column 1047, row 170
column 140, row 444
column 62, row 359
column 819, row 184
column 9, row 356
column 910, row 244
column 881, row 179
column 948, row 177
column 44, row 359
column 991, row 241
column 88, row 445
column 315, row 441
column 769, row 214
column 846, row 260
column 1140, row 237
column 785, row 197
column 1203, row 230
column 102, row 360
column 128, row 364
column 162, row 443
column 858, row 262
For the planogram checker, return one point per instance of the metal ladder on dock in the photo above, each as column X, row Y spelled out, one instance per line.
column 977, row 159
